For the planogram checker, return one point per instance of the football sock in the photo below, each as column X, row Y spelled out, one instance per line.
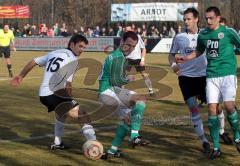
column 198, row 126
column 58, row 131
column 136, row 118
column 88, row 132
column 213, row 125
column 148, row 83
column 221, row 118
column 233, row 121
column 121, row 131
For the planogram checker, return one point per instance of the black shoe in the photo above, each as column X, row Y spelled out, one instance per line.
column 138, row 141
column 226, row 139
column 237, row 144
column 54, row 146
column 109, row 155
column 215, row 154
column 206, row 147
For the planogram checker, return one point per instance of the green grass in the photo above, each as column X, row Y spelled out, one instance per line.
column 26, row 128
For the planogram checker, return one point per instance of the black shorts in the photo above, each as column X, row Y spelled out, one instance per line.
column 5, row 51
column 193, row 86
column 136, row 64
column 57, row 103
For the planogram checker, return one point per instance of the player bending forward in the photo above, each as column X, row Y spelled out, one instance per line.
column 55, row 90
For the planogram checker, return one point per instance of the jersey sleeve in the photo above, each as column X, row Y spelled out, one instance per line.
column 42, row 60
column 235, row 38
column 200, row 45
column 174, row 48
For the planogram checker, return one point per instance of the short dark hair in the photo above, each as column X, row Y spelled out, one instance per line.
column 223, row 20
column 193, row 11
column 130, row 34
column 77, row 38
column 214, row 9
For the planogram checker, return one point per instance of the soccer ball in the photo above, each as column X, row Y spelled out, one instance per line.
column 92, row 150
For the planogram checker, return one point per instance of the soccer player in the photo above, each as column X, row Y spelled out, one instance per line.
column 218, row 42
column 192, row 74
column 129, row 104
column 55, row 91
column 6, row 38
column 137, row 59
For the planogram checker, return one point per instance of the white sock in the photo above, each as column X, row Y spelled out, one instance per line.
column 58, row 131
column 198, row 127
column 221, row 118
column 88, row 132
column 148, row 83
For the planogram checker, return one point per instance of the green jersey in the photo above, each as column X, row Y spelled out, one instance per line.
column 113, row 71
column 219, row 45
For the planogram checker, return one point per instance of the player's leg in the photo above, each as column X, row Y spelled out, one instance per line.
column 228, row 89
column 8, row 61
column 197, row 122
column 213, row 95
column 145, row 76
column 223, row 135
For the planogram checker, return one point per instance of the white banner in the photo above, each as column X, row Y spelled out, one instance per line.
column 149, row 11
column 164, row 45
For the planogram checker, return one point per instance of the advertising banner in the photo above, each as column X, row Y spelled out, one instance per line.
column 14, row 12
column 149, row 11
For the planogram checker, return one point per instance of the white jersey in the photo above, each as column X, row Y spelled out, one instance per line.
column 136, row 53
column 185, row 43
column 60, row 65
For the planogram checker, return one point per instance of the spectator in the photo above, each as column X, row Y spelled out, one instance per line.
column 165, row 32
column 111, row 32
column 96, row 32
column 34, row 31
column 63, row 30
column 120, row 31
column 172, row 32
column 56, row 29
column 103, row 32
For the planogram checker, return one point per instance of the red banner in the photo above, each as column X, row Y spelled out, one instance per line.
column 14, row 12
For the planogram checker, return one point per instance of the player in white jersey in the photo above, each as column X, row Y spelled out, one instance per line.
column 137, row 59
column 191, row 75
column 55, row 91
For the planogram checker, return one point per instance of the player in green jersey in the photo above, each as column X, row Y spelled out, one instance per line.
column 218, row 42
column 127, row 103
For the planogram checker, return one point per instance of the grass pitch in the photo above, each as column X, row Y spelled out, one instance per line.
column 26, row 129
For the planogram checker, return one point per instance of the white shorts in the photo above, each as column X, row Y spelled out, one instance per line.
column 221, row 89
column 119, row 97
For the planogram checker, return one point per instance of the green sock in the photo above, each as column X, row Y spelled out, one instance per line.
column 121, row 132
column 213, row 125
column 136, row 118
column 233, row 121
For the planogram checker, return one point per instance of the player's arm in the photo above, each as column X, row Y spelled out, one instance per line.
column 236, row 39
column 69, row 88
column 143, row 51
column 12, row 42
column 18, row 79
column 171, row 56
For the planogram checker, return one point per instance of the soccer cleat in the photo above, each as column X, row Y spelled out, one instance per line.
column 54, row 146
column 206, row 147
column 237, row 144
column 109, row 155
column 226, row 139
column 138, row 141
column 151, row 93
column 215, row 154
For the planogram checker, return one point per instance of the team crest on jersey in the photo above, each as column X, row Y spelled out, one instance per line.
column 221, row 35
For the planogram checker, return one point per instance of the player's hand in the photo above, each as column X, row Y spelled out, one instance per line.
column 176, row 68
column 131, row 78
column 14, row 49
column 142, row 63
column 180, row 59
column 16, row 80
